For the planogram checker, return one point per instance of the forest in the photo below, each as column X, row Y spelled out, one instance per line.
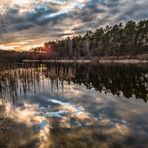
column 126, row 41
column 119, row 40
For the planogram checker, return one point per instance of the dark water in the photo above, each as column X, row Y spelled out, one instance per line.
column 74, row 105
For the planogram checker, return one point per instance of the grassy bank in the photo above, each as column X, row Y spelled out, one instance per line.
column 107, row 59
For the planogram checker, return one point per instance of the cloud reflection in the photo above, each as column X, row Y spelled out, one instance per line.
column 56, row 110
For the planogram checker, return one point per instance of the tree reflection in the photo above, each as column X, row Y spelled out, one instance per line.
column 127, row 80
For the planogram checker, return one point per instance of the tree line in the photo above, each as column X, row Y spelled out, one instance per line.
column 119, row 40
column 127, row 41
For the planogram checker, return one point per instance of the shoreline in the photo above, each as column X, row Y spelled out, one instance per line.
column 124, row 61
column 58, row 61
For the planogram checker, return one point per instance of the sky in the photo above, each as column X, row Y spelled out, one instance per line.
column 30, row 23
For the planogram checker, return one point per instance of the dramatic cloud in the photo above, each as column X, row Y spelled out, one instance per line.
column 37, row 21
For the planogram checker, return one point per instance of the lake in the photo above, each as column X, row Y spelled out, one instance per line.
column 74, row 105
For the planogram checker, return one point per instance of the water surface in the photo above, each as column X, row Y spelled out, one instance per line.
column 74, row 105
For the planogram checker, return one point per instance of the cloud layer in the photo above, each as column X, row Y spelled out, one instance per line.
column 31, row 20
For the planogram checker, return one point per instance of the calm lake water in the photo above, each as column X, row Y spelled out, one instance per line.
column 74, row 106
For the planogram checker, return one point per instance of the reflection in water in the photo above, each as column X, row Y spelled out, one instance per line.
column 120, row 80
column 70, row 105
